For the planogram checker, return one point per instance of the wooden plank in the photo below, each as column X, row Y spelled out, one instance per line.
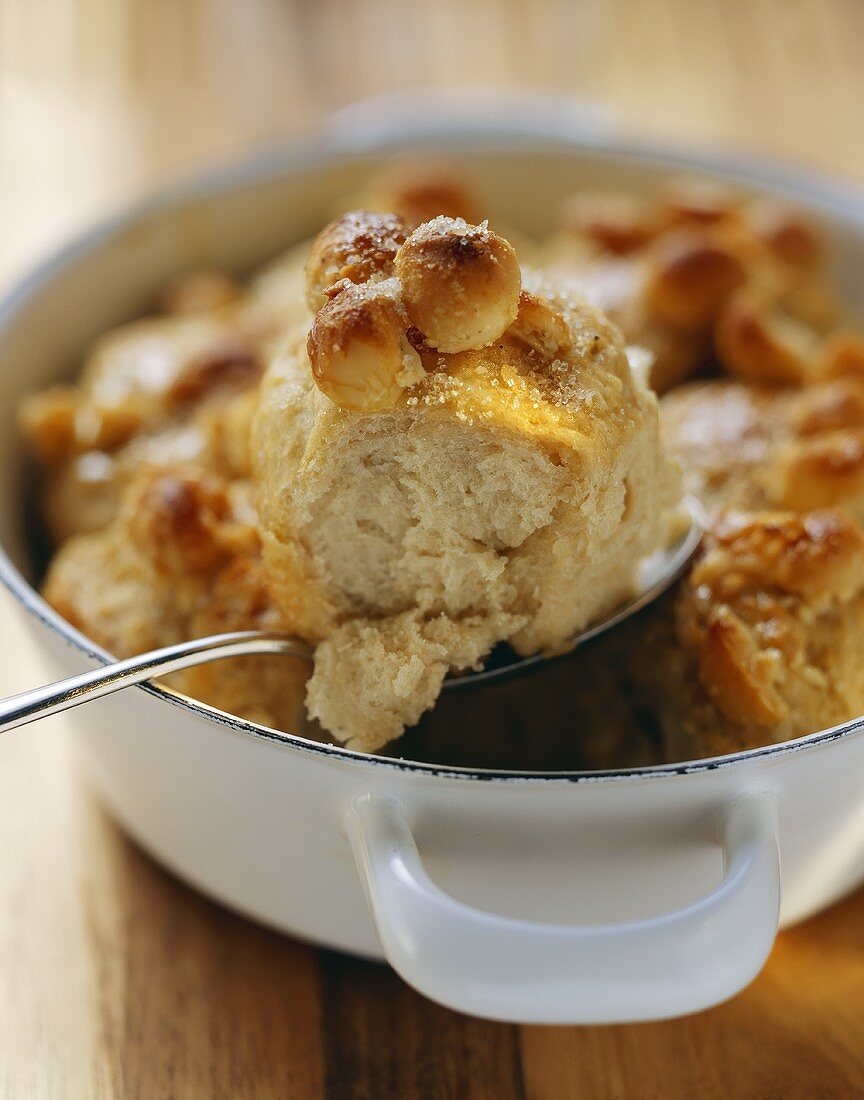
column 795, row 1033
column 382, row 1039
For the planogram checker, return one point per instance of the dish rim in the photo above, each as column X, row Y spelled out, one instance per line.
column 843, row 201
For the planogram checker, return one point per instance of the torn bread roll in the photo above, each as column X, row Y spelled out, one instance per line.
column 456, row 455
column 755, row 448
column 769, row 627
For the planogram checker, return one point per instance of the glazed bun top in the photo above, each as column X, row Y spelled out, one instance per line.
column 382, row 294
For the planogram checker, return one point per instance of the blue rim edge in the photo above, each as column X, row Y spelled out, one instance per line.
column 271, row 162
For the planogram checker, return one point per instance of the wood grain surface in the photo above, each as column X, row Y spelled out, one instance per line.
column 116, row 981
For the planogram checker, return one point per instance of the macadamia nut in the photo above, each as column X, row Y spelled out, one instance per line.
column 689, row 277
column 360, row 355
column 539, row 325
column 356, row 247
column 460, row 283
column 761, row 343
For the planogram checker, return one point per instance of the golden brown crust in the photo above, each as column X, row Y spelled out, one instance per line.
column 815, row 555
column 842, row 355
column 47, row 420
column 734, row 671
column 824, row 469
column 690, row 276
column 787, row 236
column 767, row 594
column 234, row 364
column 751, row 447
column 181, row 559
column 181, row 523
column 761, row 641
column 761, row 343
column 156, row 393
column 701, row 273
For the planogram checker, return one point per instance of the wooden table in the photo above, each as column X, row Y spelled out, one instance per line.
column 117, row 981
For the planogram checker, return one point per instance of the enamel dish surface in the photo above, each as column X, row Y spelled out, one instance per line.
column 569, row 898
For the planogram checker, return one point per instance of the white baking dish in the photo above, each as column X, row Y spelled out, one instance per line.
column 560, row 898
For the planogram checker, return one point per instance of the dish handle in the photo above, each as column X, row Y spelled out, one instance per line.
column 527, row 971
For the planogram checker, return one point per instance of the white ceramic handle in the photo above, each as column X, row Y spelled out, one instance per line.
column 532, row 972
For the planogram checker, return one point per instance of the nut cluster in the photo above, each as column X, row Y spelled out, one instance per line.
column 382, row 292
column 714, row 274
column 761, row 342
column 689, row 277
column 359, row 349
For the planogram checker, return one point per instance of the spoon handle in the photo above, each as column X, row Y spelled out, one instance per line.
column 27, row 706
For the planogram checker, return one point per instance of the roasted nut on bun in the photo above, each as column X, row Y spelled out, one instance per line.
column 356, row 247
column 539, row 325
column 359, row 352
column 460, row 283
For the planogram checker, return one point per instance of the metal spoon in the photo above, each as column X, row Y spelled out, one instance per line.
column 657, row 574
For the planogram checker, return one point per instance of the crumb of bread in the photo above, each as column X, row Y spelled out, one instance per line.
column 373, row 678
